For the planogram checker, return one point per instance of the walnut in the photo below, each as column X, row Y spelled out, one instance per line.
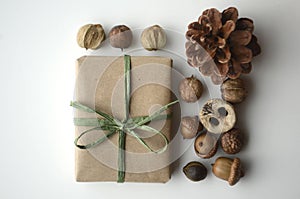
column 231, row 141
column 233, row 90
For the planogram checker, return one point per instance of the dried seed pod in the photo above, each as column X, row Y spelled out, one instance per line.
column 228, row 169
column 233, row 90
column 120, row 36
column 190, row 126
column 217, row 116
column 90, row 36
column 190, row 89
column 195, row 171
column 205, row 145
column 231, row 141
column 153, row 38
column 222, row 38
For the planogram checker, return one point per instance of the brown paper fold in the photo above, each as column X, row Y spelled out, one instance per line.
column 100, row 85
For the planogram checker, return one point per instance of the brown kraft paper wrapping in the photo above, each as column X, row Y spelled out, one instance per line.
column 100, row 85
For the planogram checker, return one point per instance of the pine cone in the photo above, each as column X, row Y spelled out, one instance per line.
column 221, row 45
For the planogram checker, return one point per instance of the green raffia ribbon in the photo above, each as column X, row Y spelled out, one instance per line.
column 113, row 125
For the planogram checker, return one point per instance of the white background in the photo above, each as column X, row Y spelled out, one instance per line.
column 38, row 52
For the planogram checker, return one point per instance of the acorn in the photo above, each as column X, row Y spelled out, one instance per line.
column 190, row 126
column 231, row 141
column 195, row 171
column 205, row 145
column 228, row 169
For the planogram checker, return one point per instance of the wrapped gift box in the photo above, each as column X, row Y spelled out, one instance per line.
column 100, row 85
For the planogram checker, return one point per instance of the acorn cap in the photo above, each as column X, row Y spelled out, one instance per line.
column 231, row 141
column 235, row 172
column 205, row 145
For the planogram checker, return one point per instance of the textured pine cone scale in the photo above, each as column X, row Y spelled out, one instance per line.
column 221, row 45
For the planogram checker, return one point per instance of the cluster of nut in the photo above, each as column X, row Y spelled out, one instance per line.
column 91, row 36
column 218, row 118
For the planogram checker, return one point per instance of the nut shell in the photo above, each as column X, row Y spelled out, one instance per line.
column 190, row 89
column 120, row 36
column 90, row 36
column 205, row 145
column 231, row 141
column 217, row 116
column 153, row 38
column 195, row 171
column 233, row 90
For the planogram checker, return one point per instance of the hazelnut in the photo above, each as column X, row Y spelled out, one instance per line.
column 90, row 36
column 190, row 89
column 228, row 169
column 190, row 126
column 233, row 90
column 205, row 145
column 153, row 38
column 120, row 37
column 195, row 171
column 217, row 116
column 231, row 141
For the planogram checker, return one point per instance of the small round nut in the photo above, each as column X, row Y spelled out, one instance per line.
column 190, row 126
column 228, row 169
column 231, row 141
column 233, row 90
column 195, row 171
column 120, row 36
column 153, row 38
column 205, row 145
column 90, row 36
column 190, row 89
column 217, row 116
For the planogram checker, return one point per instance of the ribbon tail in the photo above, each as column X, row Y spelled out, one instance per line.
column 138, row 119
column 84, row 108
column 121, row 157
column 87, row 122
column 156, row 113
column 142, row 141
